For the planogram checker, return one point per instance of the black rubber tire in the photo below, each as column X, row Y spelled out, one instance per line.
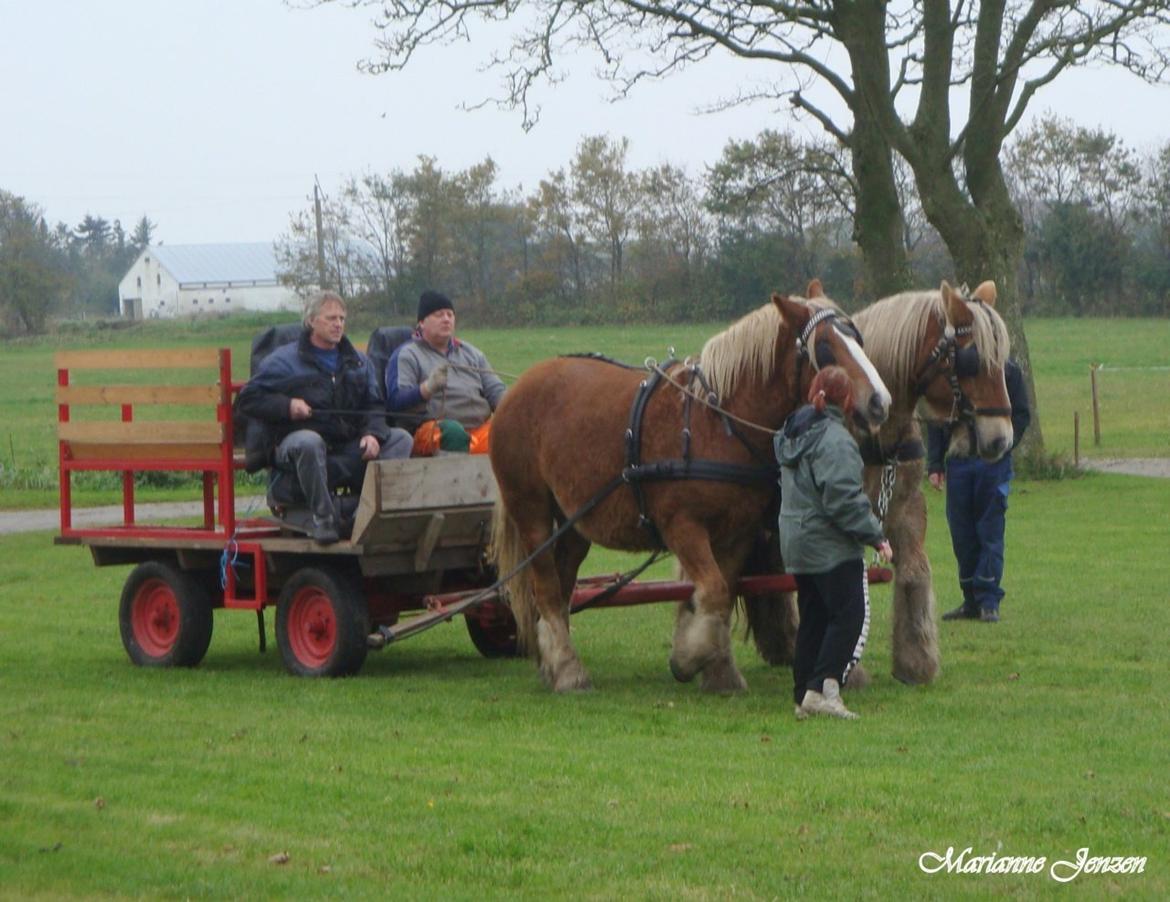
column 322, row 623
column 492, row 629
column 165, row 616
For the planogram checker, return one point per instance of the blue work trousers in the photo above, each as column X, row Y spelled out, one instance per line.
column 977, row 500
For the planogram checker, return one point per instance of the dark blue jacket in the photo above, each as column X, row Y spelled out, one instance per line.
column 938, row 436
column 293, row 371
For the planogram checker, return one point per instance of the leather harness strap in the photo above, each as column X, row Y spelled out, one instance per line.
column 947, row 350
column 901, row 452
column 635, row 472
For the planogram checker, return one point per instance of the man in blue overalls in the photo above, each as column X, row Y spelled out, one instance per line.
column 977, row 493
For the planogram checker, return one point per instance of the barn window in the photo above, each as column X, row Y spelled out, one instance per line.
column 227, row 300
column 140, row 283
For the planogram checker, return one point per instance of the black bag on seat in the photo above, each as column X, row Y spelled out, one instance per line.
column 253, row 433
column 383, row 342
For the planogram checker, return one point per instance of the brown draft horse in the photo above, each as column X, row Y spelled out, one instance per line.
column 559, row 437
column 947, row 350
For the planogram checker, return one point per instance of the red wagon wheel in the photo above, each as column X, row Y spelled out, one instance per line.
column 165, row 616
column 492, row 629
column 321, row 624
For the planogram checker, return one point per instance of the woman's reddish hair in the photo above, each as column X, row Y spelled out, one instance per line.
column 831, row 385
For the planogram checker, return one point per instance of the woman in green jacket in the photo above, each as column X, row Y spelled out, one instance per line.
column 825, row 523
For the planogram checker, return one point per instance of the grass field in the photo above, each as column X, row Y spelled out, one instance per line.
column 438, row 774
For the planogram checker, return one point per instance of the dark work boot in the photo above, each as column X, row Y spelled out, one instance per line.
column 962, row 612
column 325, row 532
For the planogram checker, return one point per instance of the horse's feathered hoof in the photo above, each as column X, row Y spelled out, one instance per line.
column 915, row 679
column 723, row 678
column 570, row 677
column 859, row 679
column 576, row 683
column 678, row 673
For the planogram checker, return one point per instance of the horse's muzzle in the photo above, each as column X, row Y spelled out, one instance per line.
column 993, row 450
column 874, row 413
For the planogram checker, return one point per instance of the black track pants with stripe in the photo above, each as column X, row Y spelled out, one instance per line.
column 834, row 624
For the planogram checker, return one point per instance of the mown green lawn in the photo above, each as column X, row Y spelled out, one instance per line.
column 436, row 773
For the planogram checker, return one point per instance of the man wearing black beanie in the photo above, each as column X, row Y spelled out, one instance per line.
column 444, row 382
column 430, row 301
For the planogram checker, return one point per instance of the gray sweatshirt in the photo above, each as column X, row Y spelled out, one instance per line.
column 472, row 391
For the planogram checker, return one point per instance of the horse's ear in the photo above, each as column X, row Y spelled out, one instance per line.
column 985, row 293
column 815, row 289
column 793, row 313
column 952, row 301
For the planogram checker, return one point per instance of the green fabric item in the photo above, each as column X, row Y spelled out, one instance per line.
column 825, row 515
column 453, row 437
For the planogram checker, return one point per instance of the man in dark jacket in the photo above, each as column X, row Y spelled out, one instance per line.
column 303, row 392
column 977, row 493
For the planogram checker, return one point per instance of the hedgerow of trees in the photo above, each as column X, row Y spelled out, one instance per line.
column 60, row 272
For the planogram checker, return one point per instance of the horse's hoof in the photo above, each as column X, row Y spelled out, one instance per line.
column 859, row 679
column 572, row 677
column 580, row 683
column 723, row 678
column 678, row 673
column 914, row 679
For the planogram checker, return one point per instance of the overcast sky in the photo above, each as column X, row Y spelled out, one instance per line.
column 213, row 116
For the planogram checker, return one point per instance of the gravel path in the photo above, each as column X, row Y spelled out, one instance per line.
column 1131, row 466
column 35, row 520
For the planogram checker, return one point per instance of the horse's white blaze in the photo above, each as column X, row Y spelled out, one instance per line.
column 867, row 367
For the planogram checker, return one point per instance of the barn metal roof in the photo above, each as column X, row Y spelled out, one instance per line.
column 198, row 263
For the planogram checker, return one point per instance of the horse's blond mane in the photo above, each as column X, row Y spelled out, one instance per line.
column 747, row 347
column 893, row 330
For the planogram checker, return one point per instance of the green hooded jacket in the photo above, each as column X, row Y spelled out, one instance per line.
column 825, row 517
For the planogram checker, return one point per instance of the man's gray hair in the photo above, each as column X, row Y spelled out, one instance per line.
column 317, row 300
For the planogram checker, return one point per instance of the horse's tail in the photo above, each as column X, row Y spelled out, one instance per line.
column 507, row 551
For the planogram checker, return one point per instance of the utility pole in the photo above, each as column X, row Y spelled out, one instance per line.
column 320, row 236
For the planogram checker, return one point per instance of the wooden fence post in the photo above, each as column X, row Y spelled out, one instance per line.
column 1077, row 439
column 1096, row 409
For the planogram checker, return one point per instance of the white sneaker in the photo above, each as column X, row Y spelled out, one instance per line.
column 827, row 702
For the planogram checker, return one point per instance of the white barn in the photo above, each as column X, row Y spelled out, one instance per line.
column 198, row 279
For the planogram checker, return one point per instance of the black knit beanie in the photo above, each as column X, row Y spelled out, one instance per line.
column 430, row 301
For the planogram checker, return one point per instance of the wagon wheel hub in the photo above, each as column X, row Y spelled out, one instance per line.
column 312, row 629
column 155, row 617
